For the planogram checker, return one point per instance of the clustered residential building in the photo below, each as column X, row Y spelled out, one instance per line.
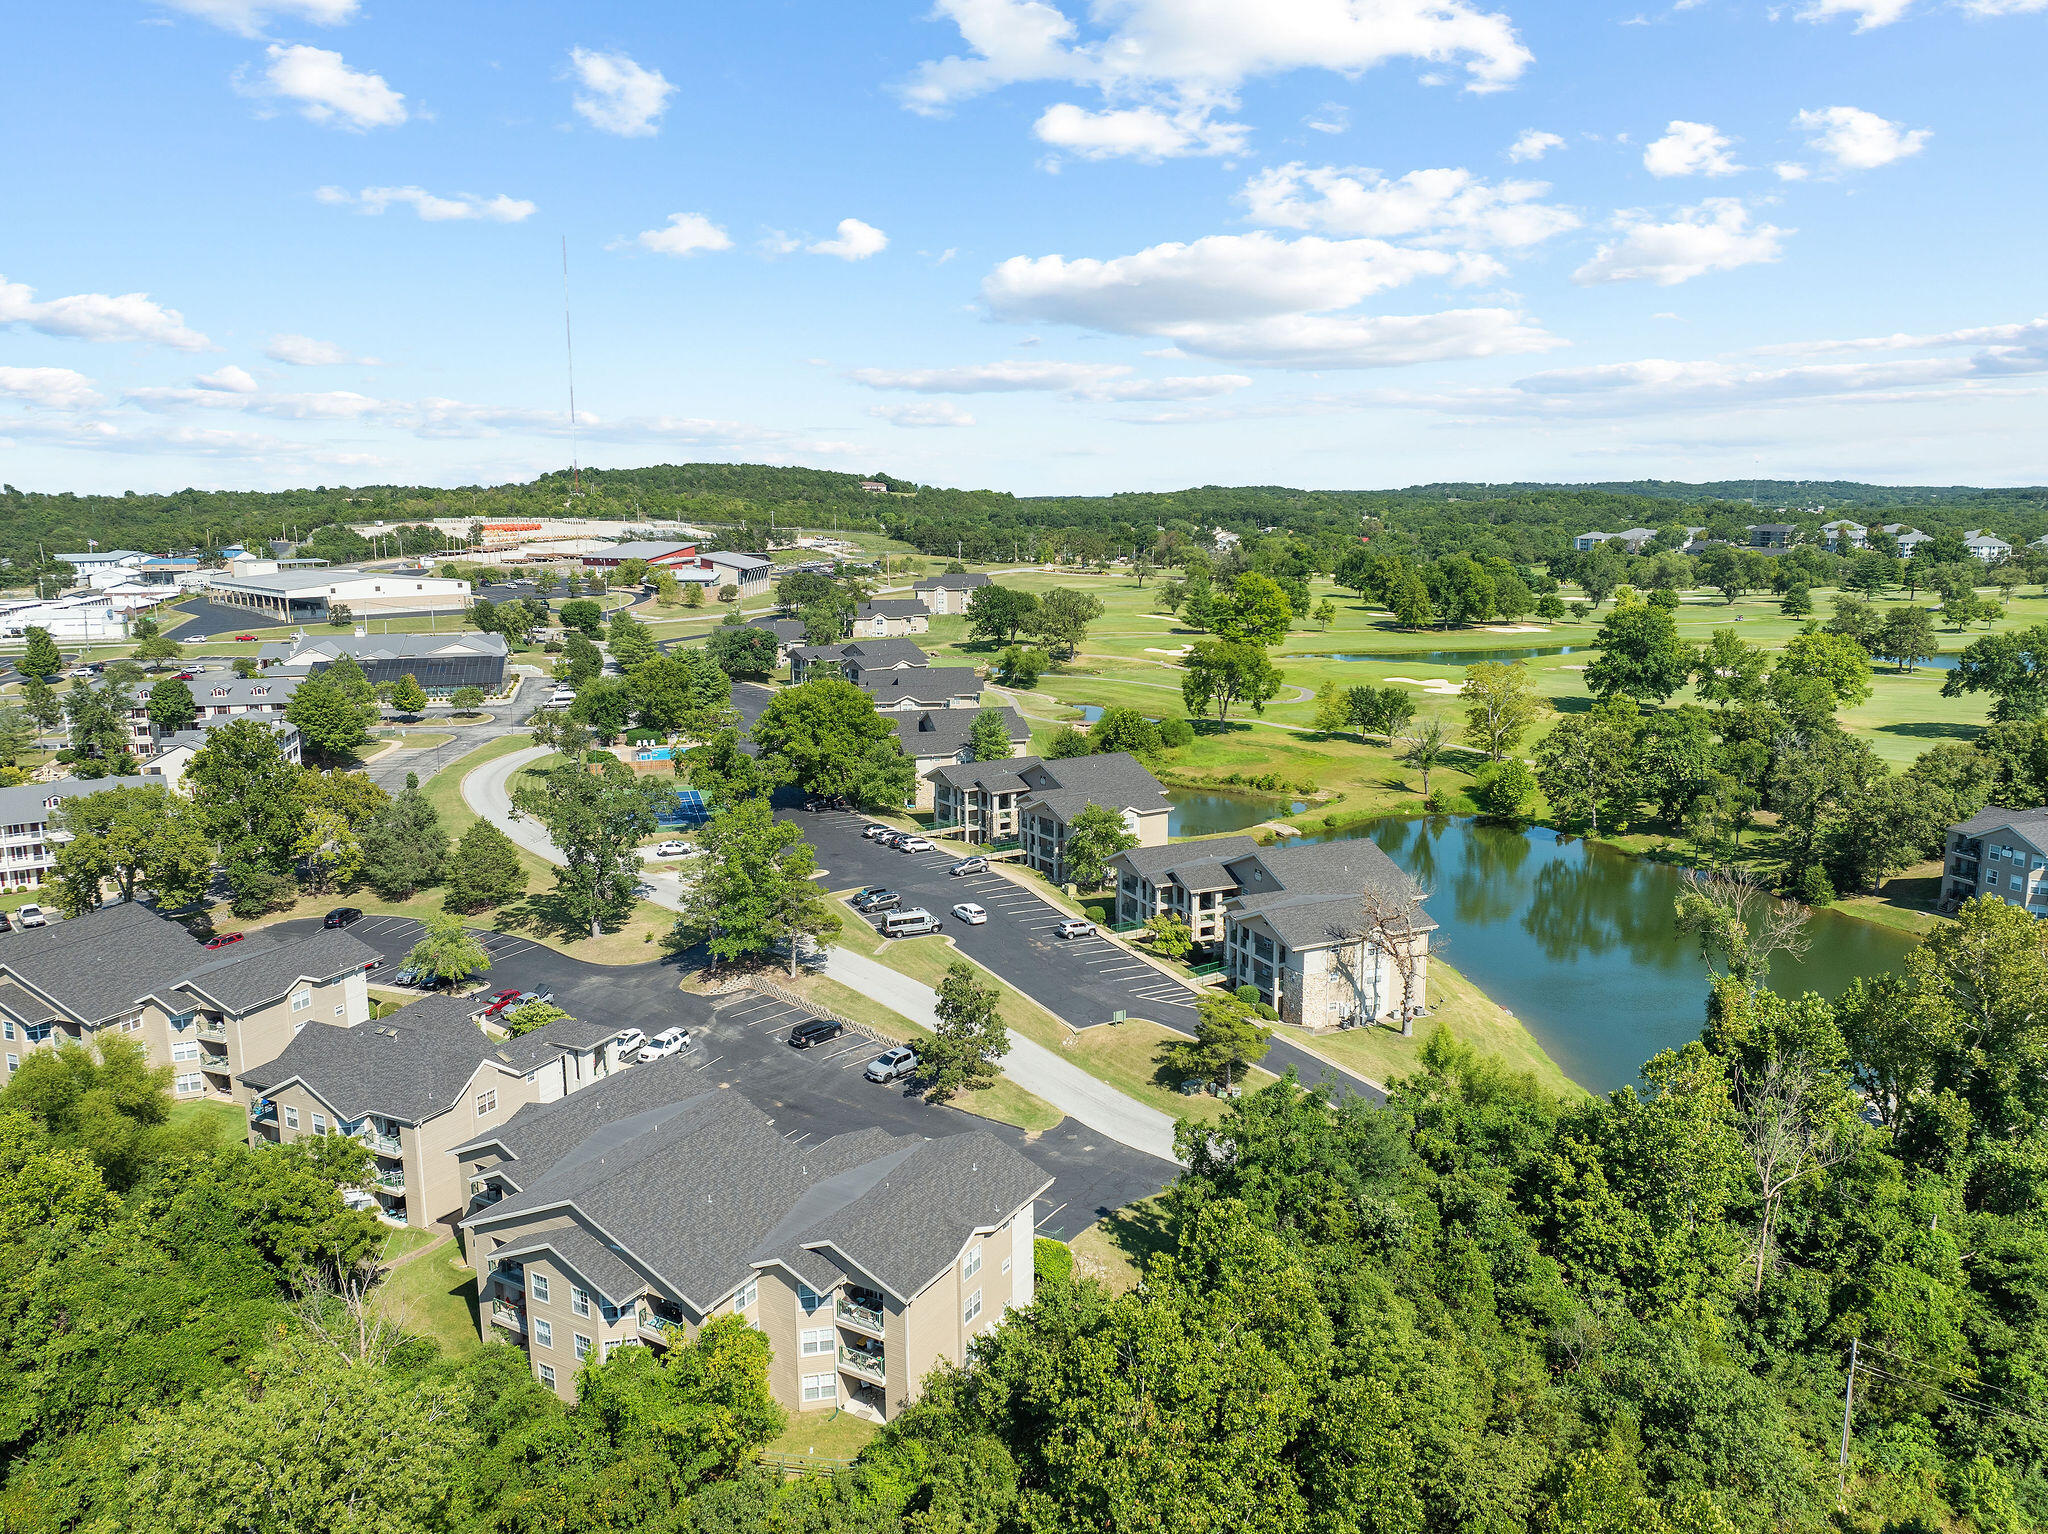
column 1035, row 802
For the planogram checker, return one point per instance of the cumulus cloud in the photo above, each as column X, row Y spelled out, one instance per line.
column 1690, row 149
column 683, row 235
column 923, row 413
column 1075, row 380
column 1858, row 140
column 855, row 241
column 227, row 380
column 1452, row 207
column 249, row 17
column 1139, row 133
column 431, row 207
column 1791, row 170
column 1260, row 299
column 617, row 95
column 99, row 317
column 48, row 388
column 1715, row 236
column 327, row 91
column 1534, row 144
column 305, row 352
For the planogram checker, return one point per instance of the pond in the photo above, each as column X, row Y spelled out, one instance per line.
column 1576, row 940
column 1461, row 657
column 1199, row 812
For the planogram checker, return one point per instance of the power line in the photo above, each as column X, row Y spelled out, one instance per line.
column 1963, row 1401
column 1961, row 1373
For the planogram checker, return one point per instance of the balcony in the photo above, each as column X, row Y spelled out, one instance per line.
column 217, row 1031
column 264, row 1112
column 867, row 1365
column 511, row 1316
column 382, row 1144
column 389, row 1182
column 866, row 1317
column 215, row 1063
column 660, row 1326
column 510, row 1274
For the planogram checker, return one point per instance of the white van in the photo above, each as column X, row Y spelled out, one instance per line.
column 909, row 923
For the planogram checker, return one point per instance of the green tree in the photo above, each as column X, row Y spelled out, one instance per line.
column 962, row 1052
column 1500, row 706
column 596, row 821
column 172, row 707
column 1063, row 618
column 631, row 642
column 1256, row 611
column 584, row 616
column 1586, row 764
column 1323, row 614
column 605, row 705
column 1221, row 673
column 581, row 660
column 1170, row 936
column 989, row 738
column 98, row 721
column 1426, row 750
column 407, row 696
column 448, row 951
column 998, row 614
column 1383, row 711
column 1641, row 656
column 1228, row 1040
column 2012, row 667
column 532, row 1016
column 136, row 838
column 1333, row 709
column 1094, row 836
column 827, row 738
column 753, row 889
column 723, row 772
column 681, row 691
column 1504, row 789
column 1907, row 637
column 106, row 1102
column 482, row 870
column 17, row 734
column 1835, row 660
column 467, row 699
column 248, row 796
column 40, row 701
column 741, row 651
column 1726, row 670
column 332, row 724
column 1408, row 600
column 41, row 658
column 405, row 847
column 1124, row 729
column 156, row 650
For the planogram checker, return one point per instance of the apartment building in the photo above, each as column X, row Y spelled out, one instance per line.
column 174, row 752
column 1331, row 934
column 1998, row 852
column 1986, row 546
column 1632, row 540
column 414, row 1085
column 856, row 658
column 923, row 687
column 935, row 738
column 206, row 1013
column 29, row 831
column 948, row 593
column 1035, row 801
column 1844, row 536
column 789, row 635
column 631, row 1215
column 891, row 619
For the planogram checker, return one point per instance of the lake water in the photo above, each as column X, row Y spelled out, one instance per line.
column 1199, row 813
column 1576, row 940
column 1533, row 652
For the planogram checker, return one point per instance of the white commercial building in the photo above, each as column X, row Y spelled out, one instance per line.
column 307, row 596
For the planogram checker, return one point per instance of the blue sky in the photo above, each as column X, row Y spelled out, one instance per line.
column 1023, row 244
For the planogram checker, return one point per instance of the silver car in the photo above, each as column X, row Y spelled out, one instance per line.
column 892, row 1064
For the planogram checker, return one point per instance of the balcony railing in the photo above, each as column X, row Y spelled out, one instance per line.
column 383, row 1145
column 869, row 1366
column 508, row 1315
column 389, row 1182
column 864, row 1316
column 512, row 1274
column 660, row 1326
column 263, row 1113
column 215, row 1031
column 214, row 1063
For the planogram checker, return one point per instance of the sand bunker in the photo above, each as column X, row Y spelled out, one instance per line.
column 1435, row 684
column 1184, row 649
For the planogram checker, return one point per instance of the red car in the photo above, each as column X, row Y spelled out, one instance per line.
column 501, row 1001
column 185, row 676
column 246, row 638
column 223, row 939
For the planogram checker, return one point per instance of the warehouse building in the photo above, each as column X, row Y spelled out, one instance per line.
column 440, row 663
column 307, row 596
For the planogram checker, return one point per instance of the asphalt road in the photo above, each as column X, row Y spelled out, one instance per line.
column 388, row 772
column 739, row 1042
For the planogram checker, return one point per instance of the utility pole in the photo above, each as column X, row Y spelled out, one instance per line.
column 1848, row 1405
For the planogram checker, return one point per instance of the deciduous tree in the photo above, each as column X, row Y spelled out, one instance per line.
column 596, row 820
column 1094, row 836
column 962, row 1052
column 482, row 870
column 1221, row 673
column 136, row 838
column 1500, row 706
column 828, row 738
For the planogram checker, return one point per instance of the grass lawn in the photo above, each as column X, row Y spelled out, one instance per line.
column 432, row 1296
column 1471, row 1016
column 230, row 1121
column 1123, row 1054
column 1114, row 1249
column 826, row 1435
column 415, row 740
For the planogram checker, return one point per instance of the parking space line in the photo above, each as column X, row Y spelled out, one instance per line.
column 1049, row 1214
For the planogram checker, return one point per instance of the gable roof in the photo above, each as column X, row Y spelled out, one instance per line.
column 920, row 684
column 943, row 731
column 1309, row 895
column 256, row 972
column 330, row 647
column 1114, row 779
column 410, row 1066
column 2031, row 826
column 103, row 962
column 893, row 608
column 29, row 803
column 954, row 582
column 886, row 652
column 533, row 1138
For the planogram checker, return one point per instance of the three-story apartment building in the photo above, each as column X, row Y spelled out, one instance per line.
column 634, row 1214
column 1998, row 852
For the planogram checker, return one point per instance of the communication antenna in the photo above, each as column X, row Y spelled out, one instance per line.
column 569, row 343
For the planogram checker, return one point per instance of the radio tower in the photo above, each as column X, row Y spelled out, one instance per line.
column 569, row 342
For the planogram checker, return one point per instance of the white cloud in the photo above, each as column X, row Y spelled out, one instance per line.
column 431, row 207
column 1439, row 206
column 1330, row 117
column 227, row 380
column 1868, row 13
column 1191, row 52
column 305, row 352
column 1791, row 170
column 1534, row 144
column 1260, row 299
column 48, row 388
column 855, row 241
column 1690, row 149
column 683, row 235
column 924, row 413
column 1139, row 133
column 249, row 17
column 1715, row 236
column 2004, row 7
column 328, row 91
column 618, row 95
column 1858, row 140
column 1076, row 380
column 99, row 317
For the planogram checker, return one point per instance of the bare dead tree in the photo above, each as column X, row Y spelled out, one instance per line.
column 1390, row 924
column 1740, row 926
column 1785, row 1134
column 336, row 1313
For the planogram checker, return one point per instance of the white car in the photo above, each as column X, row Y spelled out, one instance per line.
column 670, row 1041
column 892, row 1065
column 913, row 844
column 561, row 696
column 970, row 913
column 630, row 1040
column 673, row 849
column 1076, row 928
column 31, row 916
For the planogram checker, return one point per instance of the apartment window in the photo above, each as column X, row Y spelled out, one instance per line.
column 133, row 1024
column 972, row 1265
column 13, row 1063
column 748, row 1293
column 547, row 1375
column 487, row 1102
column 180, row 1021
column 808, row 1300
column 184, row 1052
column 9, row 1028
column 973, row 1308
column 186, row 1085
column 303, row 1000
column 820, row 1387
column 544, row 1334
column 319, row 1123
column 579, row 1302
column 291, row 1118
column 539, row 1282
column 816, row 1340
column 582, row 1345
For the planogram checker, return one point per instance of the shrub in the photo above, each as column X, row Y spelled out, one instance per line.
column 1503, row 789
column 1814, row 887
column 1175, row 733
column 1053, row 1262
column 1248, row 994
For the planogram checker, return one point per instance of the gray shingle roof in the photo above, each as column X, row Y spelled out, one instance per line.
column 951, row 582
column 25, row 803
column 258, row 971
column 1307, row 894
column 540, row 1133
column 900, row 607
column 1116, row 780
column 330, row 647
column 102, row 963
column 921, row 684
column 613, row 1278
column 786, row 630
column 943, row 731
column 1196, row 866
column 409, row 1066
column 886, row 652
column 565, row 1034
column 2031, row 824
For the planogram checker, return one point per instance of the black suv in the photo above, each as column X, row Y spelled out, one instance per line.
column 816, row 1031
column 342, row 916
column 877, row 900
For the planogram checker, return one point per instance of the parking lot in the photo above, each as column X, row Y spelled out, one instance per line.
column 739, row 1042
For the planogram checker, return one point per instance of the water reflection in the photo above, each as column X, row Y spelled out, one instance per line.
column 1577, row 940
column 1195, row 813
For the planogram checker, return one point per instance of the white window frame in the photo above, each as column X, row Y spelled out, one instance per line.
column 319, row 1123
column 820, row 1387
column 582, row 1344
column 302, row 1000
column 537, row 1285
column 816, row 1341
column 746, row 1295
column 547, row 1375
column 971, row 1263
column 808, row 1300
column 291, row 1117
column 973, row 1309
column 487, row 1102
column 543, row 1334
column 579, row 1300
column 188, row 1051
